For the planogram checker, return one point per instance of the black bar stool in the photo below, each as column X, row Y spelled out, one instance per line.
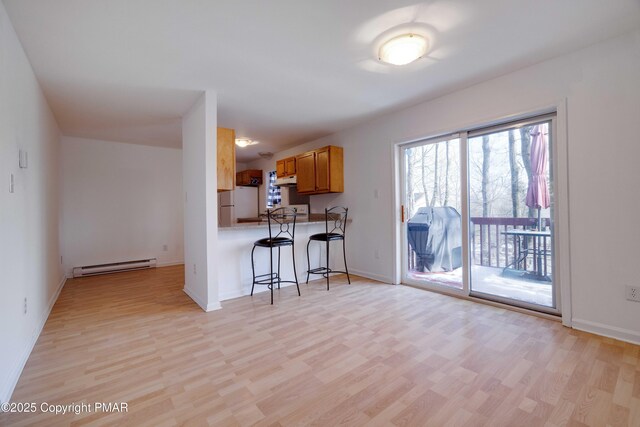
column 283, row 221
column 335, row 220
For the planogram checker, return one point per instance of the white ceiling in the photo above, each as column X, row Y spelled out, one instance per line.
column 286, row 71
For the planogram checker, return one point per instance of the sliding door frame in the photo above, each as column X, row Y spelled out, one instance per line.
column 561, row 240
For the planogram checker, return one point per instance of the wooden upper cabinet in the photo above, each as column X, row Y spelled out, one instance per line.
column 306, row 172
column 321, row 171
column 281, row 168
column 290, row 166
column 286, row 167
column 249, row 178
column 226, row 159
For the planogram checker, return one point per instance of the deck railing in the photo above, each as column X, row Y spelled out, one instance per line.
column 492, row 248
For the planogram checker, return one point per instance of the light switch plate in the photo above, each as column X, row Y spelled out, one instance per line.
column 23, row 159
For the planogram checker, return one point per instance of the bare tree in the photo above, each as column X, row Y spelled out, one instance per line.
column 410, row 192
column 513, row 165
column 436, row 183
column 423, row 168
column 446, row 175
column 486, row 159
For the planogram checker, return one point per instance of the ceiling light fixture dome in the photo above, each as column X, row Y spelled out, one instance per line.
column 243, row 142
column 403, row 49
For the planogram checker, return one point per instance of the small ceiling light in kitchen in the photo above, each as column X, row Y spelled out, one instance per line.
column 243, row 142
column 403, row 49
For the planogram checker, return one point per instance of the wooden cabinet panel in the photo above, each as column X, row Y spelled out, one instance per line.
column 321, row 171
column 290, row 166
column 306, row 172
column 249, row 178
column 336, row 169
column 281, row 168
column 286, row 167
column 226, row 159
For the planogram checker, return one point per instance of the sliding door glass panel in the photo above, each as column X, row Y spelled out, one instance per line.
column 511, row 220
column 433, row 234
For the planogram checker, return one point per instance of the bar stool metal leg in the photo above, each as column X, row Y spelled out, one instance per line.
column 278, row 267
column 271, row 272
column 344, row 255
column 253, row 271
column 295, row 274
column 327, row 275
column 308, row 262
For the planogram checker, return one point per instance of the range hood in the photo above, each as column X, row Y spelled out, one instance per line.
column 287, row 181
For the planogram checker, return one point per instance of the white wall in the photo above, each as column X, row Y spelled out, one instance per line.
column 29, row 259
column 199, row 156
column 120, row 202
column 601, row 88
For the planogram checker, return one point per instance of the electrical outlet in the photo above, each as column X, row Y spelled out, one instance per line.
column 194, row 269
column 25, row 305
column 376, row 254
column 11, row 184
column 165, row 248
column 633, row 293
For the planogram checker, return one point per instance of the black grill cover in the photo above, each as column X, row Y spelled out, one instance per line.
column 435, row 236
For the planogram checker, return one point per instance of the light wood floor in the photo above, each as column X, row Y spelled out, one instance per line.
column 360, row 354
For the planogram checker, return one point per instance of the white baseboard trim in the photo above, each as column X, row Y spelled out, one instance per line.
column 169, row 264
column 203, row 304
column 621, row 334
column 14, row 376
column 232, row 295
column 371, row 276
column 213, row 307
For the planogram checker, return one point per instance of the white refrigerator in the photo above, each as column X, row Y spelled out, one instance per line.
column 239, row 203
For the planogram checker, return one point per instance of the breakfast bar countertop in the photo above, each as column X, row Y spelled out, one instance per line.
column 263, row 224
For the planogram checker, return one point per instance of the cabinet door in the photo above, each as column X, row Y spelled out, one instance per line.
column 306, row 172
column 280, row 169
column 290, row 166
column 226, row 163
column 322, row 169
column 242, row 178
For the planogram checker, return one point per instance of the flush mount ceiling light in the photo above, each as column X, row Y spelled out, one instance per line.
column 243, row 142
column 403, row 49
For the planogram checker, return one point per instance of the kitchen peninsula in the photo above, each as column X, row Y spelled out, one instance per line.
column 234, row 274
column 318, row 171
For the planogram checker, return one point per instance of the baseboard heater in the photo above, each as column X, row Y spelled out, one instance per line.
column 115, row 267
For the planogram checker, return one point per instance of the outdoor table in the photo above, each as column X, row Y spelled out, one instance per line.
column 537, row 250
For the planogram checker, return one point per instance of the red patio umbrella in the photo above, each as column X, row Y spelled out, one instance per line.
column 538, row 192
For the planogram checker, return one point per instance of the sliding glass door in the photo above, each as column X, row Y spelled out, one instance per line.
column 432, row 209
column 511, row 221
column 478, row 214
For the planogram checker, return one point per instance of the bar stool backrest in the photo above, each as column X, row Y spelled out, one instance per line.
column 282, row 223
column 336, row 219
